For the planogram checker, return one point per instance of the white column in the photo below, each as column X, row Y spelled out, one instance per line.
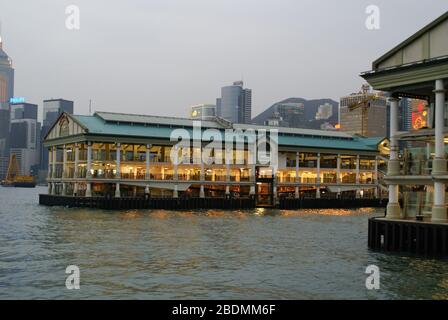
column 202, row 178
column 89, row 190
column 117, row 190
column 50, row 166
column 375, row 177
column 53, row 163
column 252, row 180
column 393, row 207
column 227, row 178
column 358, row 193
column 89, row 159
column 76, row 173
column 89, row 168
column 118, row 161
column 64, row 169
column 318, row 177
column 176, row 175
column 439, row 208
column 75, row 189
column 296, row 191
column 148, row 162
column 338, row 174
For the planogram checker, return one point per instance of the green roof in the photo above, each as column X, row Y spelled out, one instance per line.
column 96, row 125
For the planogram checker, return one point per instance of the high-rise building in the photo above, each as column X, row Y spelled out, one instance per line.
column 235, row 104
column 52, row 109
column 352, row 121
column 25, row 136
column 6, row 93
column 203, row 112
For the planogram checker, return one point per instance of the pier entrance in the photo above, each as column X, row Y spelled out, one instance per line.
column 264, row 191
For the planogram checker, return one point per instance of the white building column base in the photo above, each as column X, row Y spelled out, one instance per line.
column 89, row 190
column 296, row 193
column 75, row 189
column 147, row 189
column 318, row 193
column 227, row 189
column 393, row 210
column 201, row 192
column 252, row 190
column 175, row 192
column 439, row 214
column 117, row 190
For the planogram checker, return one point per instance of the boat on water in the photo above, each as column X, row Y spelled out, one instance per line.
column 13, row 177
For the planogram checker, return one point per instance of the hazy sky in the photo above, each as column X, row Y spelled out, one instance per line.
column 161, row 56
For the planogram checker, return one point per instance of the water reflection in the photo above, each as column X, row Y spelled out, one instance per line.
column 216, row 254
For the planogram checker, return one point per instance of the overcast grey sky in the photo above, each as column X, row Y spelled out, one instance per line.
column 161, row 56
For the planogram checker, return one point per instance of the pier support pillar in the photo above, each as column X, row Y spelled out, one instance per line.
column 393, row 210
column 117, row 190
column 296, row 193
column 201, row 192
column 89, row 190
column 439, row 165
column 252, row 190
column 175, row 192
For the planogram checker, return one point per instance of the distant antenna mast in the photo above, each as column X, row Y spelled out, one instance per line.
column 90, row 107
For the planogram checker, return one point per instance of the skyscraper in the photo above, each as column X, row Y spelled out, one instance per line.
column 6, row 93
column 52, row 109
column 24, row 136
column 235, row 104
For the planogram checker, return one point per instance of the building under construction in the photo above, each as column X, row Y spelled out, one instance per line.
column 364, row 113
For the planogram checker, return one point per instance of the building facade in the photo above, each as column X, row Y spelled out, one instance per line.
column 6, row 93
column 235, row 104
column 52, row 109
column 417, row 69
column 203, row 112
column 25, row 136
column 373, row 123
column 121, row 155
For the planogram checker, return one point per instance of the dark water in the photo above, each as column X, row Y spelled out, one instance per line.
column 259, row 254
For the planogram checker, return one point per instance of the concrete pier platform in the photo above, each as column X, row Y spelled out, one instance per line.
column 408, row 236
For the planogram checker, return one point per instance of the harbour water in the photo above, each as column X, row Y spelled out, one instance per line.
column 258, row 254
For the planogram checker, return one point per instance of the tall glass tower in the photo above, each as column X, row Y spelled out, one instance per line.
column 6, row 93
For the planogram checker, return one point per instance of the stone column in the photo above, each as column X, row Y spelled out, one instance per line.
column 375, row 178
column 89, row 159
column 53, row 163
column 64, row 169
column 118, row 161
column 89, row 168
column 117, row 190
column 296, row 191
column 393, row 168
column 358, row 173
column 252, row 180
column 318, row 177
column 176, row 174
column 148, row 162
column 76, row 171
column 202, row 178
column 439, row 213
column 338, row 174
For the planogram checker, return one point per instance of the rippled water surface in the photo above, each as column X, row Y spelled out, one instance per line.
column 143, row 254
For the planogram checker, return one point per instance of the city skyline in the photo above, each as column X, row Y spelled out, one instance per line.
column 269, row 58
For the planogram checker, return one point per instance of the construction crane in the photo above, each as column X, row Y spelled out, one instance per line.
column 13, row 177
column 365, row 98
